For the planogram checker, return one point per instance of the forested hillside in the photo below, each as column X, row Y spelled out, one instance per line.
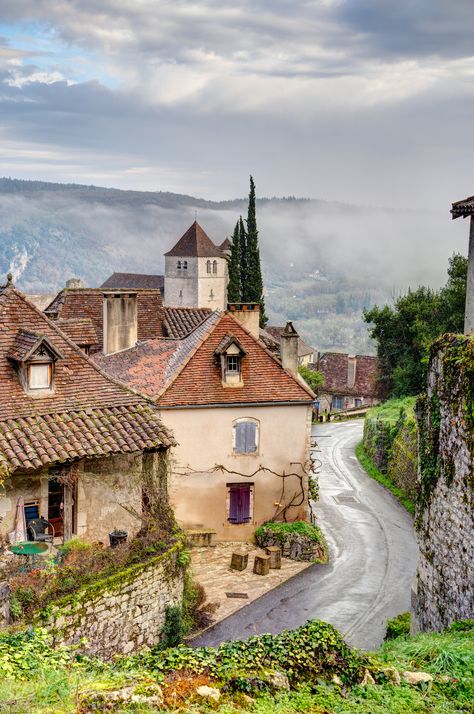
column 323, row 262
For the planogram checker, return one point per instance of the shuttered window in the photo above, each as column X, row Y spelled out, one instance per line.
column 245, row 437
column 239, row 502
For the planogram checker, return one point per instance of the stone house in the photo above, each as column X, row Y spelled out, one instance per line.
column 349, row 381
column 241, row 416
column 73, row 442
column 195, row 273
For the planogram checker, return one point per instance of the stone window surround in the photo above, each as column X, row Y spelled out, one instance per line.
column 241, row 420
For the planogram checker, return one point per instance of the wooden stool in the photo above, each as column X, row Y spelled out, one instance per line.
column 275, row 556
column 239, row 561
column 261, row 565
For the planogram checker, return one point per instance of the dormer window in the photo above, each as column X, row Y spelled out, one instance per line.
column 230, row 354
column 35, row 357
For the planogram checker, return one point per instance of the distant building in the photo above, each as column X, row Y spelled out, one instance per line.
column 305, row 351
column 349, row 381
column 195, row 273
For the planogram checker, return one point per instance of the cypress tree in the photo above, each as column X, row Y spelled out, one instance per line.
column 234, row 287
column 253, row 285
column 243, row 261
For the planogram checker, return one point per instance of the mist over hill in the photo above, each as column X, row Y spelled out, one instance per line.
column 323, row 261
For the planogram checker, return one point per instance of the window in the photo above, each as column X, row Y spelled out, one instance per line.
column 40, row 376
column 240, row 506
column 208, row 266
column 178, row 265
column 337, row 402
column 359, row 402
column 214, row 267
column 185, row 264
column 233, row 364
column 245, row 436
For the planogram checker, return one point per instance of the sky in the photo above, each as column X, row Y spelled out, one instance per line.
column 361, row 101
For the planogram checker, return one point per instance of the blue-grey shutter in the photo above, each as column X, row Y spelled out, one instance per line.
column 240, row 435
column 250, row 437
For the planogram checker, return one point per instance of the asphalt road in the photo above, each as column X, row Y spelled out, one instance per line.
column 372, row 554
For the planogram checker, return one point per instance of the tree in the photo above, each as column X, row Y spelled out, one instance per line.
column 312, row 377
column 234, row 288
column 405, row 332
column 252, row 282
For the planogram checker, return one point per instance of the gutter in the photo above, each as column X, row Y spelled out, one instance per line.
column 236, row 404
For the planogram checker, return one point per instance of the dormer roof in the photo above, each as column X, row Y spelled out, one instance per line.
column 226, row 342
column 27, row 343
column 195, row 243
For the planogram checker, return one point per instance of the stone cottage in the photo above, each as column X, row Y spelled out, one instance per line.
column 73, row 442
column 349, row 381
column 241, row 416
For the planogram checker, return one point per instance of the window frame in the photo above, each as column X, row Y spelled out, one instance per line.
column 238, row 362
column 214, row 267
column 208, row 267
column 30, row 366
column 235, row 488
column 235, row 430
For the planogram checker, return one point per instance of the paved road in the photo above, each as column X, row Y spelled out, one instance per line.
column 372, row 556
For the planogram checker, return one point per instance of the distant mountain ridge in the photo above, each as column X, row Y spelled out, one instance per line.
column 323, row 261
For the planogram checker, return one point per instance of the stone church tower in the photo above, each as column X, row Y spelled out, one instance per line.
column 196, row 272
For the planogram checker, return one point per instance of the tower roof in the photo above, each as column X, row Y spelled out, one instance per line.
column 195, row 244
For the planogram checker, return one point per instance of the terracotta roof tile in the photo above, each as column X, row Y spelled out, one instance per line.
column 335, row 368
column 180, row 321
column 88, row 413
column 195, row 243
column 89, row 303
column 79, row 329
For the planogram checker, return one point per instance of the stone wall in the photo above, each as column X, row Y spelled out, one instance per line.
column 445, row 519
column 121, row 613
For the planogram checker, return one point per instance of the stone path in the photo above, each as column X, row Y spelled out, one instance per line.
column 211, row 568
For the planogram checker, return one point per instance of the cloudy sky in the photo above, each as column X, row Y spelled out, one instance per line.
column 364, row 101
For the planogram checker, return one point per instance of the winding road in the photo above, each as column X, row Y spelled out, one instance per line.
column 372, row 554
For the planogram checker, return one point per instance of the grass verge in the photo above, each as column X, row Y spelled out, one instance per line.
column 383, row 479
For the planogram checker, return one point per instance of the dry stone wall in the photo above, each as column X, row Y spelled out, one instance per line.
column 122, row 613
column 445, row 520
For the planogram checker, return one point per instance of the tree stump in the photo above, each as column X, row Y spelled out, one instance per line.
column 274, row 552
column 261, row 565
column 239, row 561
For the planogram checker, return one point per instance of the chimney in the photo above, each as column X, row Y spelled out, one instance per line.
column 248, row 314
column 351, row 371
column 289, row 348
column 74, row 283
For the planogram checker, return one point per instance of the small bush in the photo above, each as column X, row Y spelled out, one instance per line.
column 398, row 626
column 173, row 630
column 281, row 531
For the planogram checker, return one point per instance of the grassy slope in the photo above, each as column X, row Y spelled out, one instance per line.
column 383, row 479
column 390, row 410
column 448, row 656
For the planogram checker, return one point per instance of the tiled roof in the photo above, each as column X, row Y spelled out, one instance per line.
column 463, row 208
column 226, row 245
column 150, row 365
column 26, row 343
column 35, row 441
column 199, row 382
column 335, row 368
column 88, row 413
column 275, row 331
column 79, row 329
column 180, row 321
column 89, row 303
column 134, row 280
column 195, row 243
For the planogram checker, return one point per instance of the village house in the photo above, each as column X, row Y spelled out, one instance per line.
column 241, row 416
column 349, row 381
column 73, row 442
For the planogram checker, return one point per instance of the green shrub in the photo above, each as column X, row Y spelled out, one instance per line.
column 281, row 531
column 173, row 630
column 398, row 626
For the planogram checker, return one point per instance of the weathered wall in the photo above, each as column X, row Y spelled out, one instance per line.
column 122, row 613
column 107, row 490
column 445, row 520
column 204, row 436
